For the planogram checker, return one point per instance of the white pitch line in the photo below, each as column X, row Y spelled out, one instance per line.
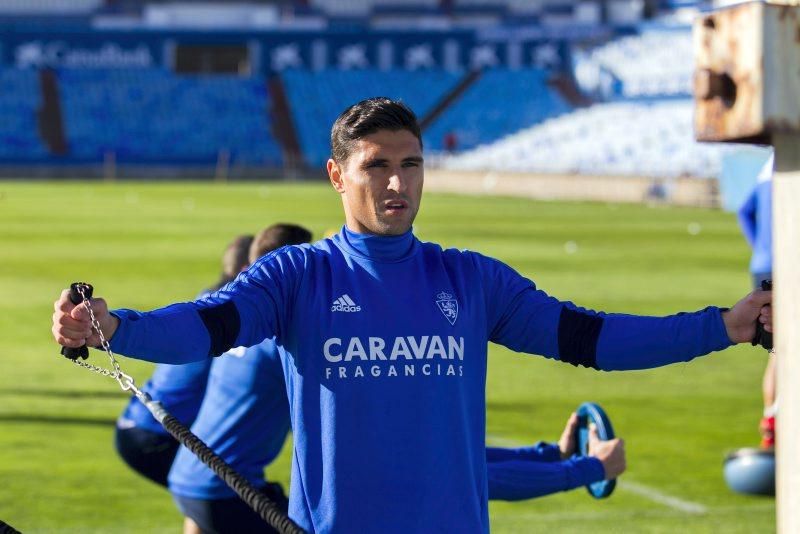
column 654, row 495
column 641, row 490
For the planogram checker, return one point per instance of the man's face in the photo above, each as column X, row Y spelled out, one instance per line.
column 381, row 182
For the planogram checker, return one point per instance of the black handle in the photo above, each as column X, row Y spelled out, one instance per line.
column 763, row 337
column 76, row 298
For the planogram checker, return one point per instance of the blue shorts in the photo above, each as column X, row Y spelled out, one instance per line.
column 148, row 453
column 223, row 516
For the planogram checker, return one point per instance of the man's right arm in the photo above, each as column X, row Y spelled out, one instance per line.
column 244, row 313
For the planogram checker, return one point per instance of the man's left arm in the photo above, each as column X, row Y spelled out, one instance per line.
column 526, row 319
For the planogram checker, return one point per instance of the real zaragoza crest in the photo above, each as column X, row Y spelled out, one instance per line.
column 448, row 305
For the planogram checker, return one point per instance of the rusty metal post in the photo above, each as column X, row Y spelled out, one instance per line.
column 747, row 89
column 786, row 271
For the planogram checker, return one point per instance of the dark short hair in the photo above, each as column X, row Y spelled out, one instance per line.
column 277, row 236
column 367, row 117
column 234, row 259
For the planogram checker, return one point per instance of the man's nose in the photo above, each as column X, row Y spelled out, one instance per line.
column 397, row 182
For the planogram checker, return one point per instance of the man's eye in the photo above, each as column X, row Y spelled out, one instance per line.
column 410, row 164
column 376, row 164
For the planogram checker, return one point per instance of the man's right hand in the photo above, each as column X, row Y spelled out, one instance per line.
column 72, row 326
column 611, row 453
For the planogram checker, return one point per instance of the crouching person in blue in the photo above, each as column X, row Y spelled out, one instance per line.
column 237, row 405
column 385, row 338
column 140, row 440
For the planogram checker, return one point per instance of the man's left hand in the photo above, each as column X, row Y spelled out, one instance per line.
column 740, row 320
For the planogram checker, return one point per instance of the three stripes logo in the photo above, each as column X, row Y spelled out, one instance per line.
column 345, row 304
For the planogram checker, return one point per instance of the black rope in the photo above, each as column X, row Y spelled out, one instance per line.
column 255, row 499
column 5, row 528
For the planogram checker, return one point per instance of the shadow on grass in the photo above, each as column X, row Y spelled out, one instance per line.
column 62, row 393
column 28, row 418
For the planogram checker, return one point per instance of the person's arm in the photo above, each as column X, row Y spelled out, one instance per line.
column 245, row 312
column 540, row 452
column 526, row 319
column 515, row 479
column 747, row 217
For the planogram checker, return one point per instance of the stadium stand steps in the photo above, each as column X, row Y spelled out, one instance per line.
column 465, row 83
column 569, row 91
column 49, row 117
column 499, row 103
column 317, row 98
column 284, row 129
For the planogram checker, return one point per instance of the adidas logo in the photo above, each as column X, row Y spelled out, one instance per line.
column 345, row 304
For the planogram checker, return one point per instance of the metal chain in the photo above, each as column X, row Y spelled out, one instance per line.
column 125, row 381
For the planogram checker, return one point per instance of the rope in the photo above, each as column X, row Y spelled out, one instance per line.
column 259, row 502
column 5, row 528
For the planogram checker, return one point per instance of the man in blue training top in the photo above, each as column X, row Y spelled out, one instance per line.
column 140, row 440
column 244, row 418
column 384, row 342
column 755, row 219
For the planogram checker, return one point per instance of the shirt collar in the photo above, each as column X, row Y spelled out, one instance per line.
column 392, row 248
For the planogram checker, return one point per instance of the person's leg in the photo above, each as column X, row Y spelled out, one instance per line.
column 768, row 387
column 229, row 516
column 767, row 426
column 148, row 453
column 190, row 527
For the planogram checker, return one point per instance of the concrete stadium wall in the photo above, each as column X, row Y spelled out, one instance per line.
column 679, row 191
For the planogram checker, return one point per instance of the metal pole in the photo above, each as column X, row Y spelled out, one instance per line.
column 786, row 304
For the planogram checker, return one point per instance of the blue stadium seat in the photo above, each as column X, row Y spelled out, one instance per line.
column 499, row 103
column 152, row 115
column 643, row 65
column 19, row 137
column 607, row 138
column 317, row 98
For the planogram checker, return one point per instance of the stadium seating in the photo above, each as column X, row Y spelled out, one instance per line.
column 317, row 98
column 343, row 7
column 655, row 63
column 151, row 115
column 517, row 7
column 19, row 138
column 625, row 138
column 48, row 7
column 500, row 102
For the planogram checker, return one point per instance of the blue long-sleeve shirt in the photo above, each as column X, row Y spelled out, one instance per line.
column 755, row 220
column 180, row 388
column 244, row 418
column 530, row 472
column 385, row 344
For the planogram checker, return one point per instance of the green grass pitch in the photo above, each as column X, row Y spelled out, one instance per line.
column 146, row 244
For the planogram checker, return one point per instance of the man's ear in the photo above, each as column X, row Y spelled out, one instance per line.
column 335, row 176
